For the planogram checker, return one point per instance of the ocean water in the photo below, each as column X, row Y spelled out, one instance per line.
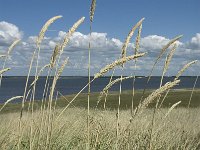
column 14, row 86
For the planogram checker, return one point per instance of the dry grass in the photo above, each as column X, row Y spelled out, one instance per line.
column 53, row 128
column 10, row 100
column 169, row 58
column 10, row 48
column 138, row 38
column 45, row 28
column 4, row 70
column 54, row 55
column 185, row 68
column 92, row 10
column 179, row 130
column 107, row 87
column 70, row 33
column 117, row 63
column 167, row 46
column 155, row 94
column 128, row 38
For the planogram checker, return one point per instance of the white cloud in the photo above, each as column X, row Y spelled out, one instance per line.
column 99, row 41
column 190, row 49
column 153, row 42
column 104, row 50
column 195, row 41
column 8, row 33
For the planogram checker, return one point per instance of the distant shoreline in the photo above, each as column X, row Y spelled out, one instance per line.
column 174, row 96
column 93, row 76
column 67, row 85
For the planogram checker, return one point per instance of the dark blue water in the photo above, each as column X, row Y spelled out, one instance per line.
column 14, row 86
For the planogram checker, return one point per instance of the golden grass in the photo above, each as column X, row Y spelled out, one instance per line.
column 54, row 55
column 128, row 38
column 171, row 108
column 168, row 59
column 4, row 70
column 10, row 100
column 138, row 38
column 155, row 94
column 45, row 28
column 12, row 46
column 117, row 63
column 180, row 129
column 53, row 128
column 111, row 83
column 167, row 46
column 92, row 10
column 70, row 33
column 184, row 68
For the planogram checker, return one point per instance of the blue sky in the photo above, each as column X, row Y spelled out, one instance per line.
column 113, row 19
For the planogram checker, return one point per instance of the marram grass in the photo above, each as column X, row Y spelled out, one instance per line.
column 179, row 130
column 54, row 124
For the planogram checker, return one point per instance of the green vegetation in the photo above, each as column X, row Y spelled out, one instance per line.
column 111, row 103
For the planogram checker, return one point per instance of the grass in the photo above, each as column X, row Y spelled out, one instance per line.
column 180, row 130
column 74, row 121
column 112, row 99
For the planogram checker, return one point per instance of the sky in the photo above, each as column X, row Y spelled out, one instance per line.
column 113, row 19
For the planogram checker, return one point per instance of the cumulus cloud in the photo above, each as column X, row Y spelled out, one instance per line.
column 104, row 50
column 99, row 41
column 154, row 42
column 191, row 49
column 195, row 42
column 8, row 33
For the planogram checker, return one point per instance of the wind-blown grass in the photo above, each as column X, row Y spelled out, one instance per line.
column 70, row 131
column 52, row 123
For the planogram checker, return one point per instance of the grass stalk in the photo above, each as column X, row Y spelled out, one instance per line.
column 197, row 77
column 137, row 46
column 157, row 60
column 92, row 10
column 118, row 112
column 106, row 94
column 89, row 79
column 7, row 55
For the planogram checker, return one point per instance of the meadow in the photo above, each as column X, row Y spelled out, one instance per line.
column 163, row 118
column 112, row 100
column 179, row 130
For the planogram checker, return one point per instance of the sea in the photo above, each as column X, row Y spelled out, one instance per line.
column 14, row 86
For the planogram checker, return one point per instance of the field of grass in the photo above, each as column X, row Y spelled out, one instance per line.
column 133, row 120
column 174, row 96
column 179, row 130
